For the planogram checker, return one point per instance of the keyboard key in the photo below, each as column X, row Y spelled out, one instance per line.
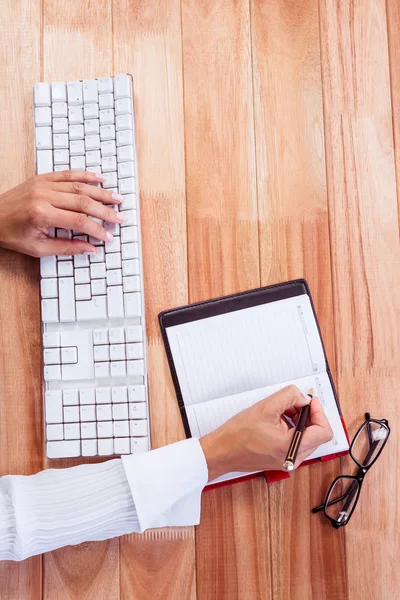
column 91, row 111
column 75, row 115
column 107, row 117
column 122, row 86
column 117, row 352
column 58, row 92
column 44, row 138
column 60, row 125
column 134, row 333
column 105, row 429
column 108, row 149
column 117, row 335
column 53, row 406
column 138, row 428
column 99, row 256
column 89, row 447
column 48, row 266
column 98, row 270
column 42, row 94
column 60, row 141
column 89, row 429
column 76, row 132
column 125, row 153
column 70, row 398
column 123, row 122
column 86, row 396
column 105, row 85
column 67, row 296
column 114, row 277
column 139, row 445
column 49, row 288
column 115, row 301
column 122, row 446
column 123, row 106
column 131, row 251
column 78, row 163
column 119, row 394
column 121, row 428
column 55, row 432
column 72, row 431
column 88, row 413
column 106, row 101
column 118, row 368
column 83, row 292
column 130, row 218
column 92, row 142
column 102, row 369
column 101, row 353
column 61, row 156
column 104, row 412
column 44, row 161
column 134, row 351
column 110, row 180
column 113, row 260
column 82, row 275
column 89, row 310
column 75, row 92
column 135, row 368
column 77, row 147
column 130, row 267
column 106, row 447
column 69, row 356
column 131, row 284
column 100, row 336
column 52, row 356
column 90, row 92
column 51, row 339
column 92, row 126
column 59, row 110
column 43, row 116
column 99, row 287
column 65, row 449
column 124, row 138
column 71, row 414
column 137, row 410
column 127, row 185
column 119, row 412
column 50, row 310
column 107, row 132
column 126, row 169
column 103, row 396
column 108, row 163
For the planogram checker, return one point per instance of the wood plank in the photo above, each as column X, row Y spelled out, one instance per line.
column 393, row 25
column 147, row 43
column 294, row 242
column 20, row 366
column 365, row 262
column 78, row 47
column 232, row 541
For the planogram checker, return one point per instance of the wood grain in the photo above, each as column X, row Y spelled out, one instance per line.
column 147, row 44
column 20, row 364
column 74, row 48
column 365, row 262
column 294, row 242
column 393, row 25
column 223, row 257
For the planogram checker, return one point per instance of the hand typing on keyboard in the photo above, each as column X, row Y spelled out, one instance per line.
column 30, row 212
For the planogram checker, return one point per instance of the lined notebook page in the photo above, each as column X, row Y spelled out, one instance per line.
column 207, row 416
column 246, row 349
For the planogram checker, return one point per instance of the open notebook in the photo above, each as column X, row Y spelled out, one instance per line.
column 229, row 353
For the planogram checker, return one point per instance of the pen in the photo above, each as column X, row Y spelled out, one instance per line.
column 291, row 455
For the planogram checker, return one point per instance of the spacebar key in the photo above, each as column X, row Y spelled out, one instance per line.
column 88, row 310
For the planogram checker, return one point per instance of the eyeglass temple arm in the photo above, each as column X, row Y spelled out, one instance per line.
column 321, row 506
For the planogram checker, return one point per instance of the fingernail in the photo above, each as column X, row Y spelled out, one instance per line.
column 120, row 218
column 109, row 237
column 91, row 253
column 116, row 197
column 100, row 177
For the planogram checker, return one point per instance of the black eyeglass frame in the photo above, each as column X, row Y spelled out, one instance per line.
column 358, row 479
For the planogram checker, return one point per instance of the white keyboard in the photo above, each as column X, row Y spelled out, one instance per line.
column 94, row 343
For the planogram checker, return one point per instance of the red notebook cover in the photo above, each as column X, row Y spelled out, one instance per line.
column 234, row 302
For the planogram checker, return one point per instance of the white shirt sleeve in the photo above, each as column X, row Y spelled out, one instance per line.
column 61, row 507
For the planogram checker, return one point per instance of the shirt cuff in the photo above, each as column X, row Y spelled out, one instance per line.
column 166, row 484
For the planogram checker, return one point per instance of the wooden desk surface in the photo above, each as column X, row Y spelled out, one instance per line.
column 268, row 134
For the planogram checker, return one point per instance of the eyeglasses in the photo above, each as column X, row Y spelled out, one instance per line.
column 366, row 447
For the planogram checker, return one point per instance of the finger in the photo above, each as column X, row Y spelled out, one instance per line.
column 57, row 246
column 84, row 176
column 88, row 206
column 287, row 398
column 84, row 189
column 67, row 219
column 317, row 415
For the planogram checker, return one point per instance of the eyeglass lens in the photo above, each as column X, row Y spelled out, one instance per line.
column 368, row 442
column 342, row 499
